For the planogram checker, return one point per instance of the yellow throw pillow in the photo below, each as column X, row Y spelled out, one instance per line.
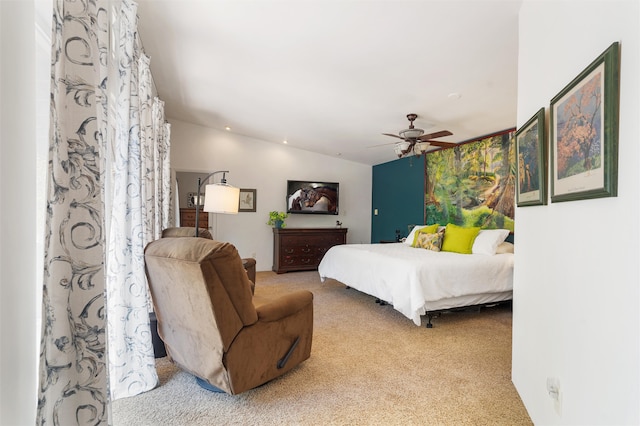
column 429, row 229
column 458, row 239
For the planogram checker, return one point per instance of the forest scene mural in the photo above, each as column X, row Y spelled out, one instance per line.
column 472, row 184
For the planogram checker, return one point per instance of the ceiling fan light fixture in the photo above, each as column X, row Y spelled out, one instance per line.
column 411, row 133
column 401, row 147
column 421, row 147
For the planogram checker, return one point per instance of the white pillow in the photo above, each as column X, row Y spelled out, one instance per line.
column 488, row 240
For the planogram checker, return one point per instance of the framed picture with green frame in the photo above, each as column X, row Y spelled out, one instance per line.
column 531, row 169
column 584, row 132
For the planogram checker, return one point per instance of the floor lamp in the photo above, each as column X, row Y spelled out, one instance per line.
column 218, row 197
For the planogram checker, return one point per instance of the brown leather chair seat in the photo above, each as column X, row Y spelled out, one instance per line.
column 213, row 326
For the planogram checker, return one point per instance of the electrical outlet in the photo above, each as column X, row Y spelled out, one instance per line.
column 553, row 388
column 253, row 255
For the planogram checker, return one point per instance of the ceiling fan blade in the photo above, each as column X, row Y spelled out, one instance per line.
column 391, row 134
column 442, row 144
column 439, row 134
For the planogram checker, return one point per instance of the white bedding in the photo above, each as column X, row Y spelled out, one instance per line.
column 415, row 280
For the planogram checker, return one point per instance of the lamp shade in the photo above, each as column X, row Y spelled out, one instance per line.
column 221, row 198
column 400, row 147
column 421, row 147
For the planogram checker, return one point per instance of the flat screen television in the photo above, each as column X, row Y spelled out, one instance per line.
column 312, row 197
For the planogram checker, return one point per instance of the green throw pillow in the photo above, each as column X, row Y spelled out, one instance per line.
column 430, row 229
column 458, row 239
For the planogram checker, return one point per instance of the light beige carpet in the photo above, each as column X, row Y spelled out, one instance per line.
column 369, row 365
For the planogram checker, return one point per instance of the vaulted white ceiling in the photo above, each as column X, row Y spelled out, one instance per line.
column 331, row 76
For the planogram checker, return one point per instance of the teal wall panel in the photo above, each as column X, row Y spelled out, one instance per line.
column 398, row 196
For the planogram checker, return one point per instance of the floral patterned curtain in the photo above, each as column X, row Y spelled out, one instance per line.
column 73, row 372
column 131, row 359
column 162, row 195
column 109, row 144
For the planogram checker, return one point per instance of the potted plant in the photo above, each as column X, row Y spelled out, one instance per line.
column 277, row 219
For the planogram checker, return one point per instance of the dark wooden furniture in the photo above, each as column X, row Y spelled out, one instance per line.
column 188, row 218
column 302, row 249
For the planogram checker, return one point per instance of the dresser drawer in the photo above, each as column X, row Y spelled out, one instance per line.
column 299, row 262
column 298, row 250
column 188, row 218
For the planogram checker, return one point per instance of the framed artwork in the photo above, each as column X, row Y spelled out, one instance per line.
column 531, row 152
column 584, row 132
column 247, row 200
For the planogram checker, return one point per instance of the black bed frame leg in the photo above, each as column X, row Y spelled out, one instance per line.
column 429, row 317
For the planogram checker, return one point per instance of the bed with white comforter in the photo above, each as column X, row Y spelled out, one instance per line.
column 417, row 281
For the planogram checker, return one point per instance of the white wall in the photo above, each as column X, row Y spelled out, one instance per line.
column 25, row 43
column 266, row 167
column 576, row 298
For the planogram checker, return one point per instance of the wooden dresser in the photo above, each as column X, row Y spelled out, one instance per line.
column 302, row 249
column 188, row 218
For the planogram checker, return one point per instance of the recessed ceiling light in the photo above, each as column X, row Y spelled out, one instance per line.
column 227, row 128
column 285, row 141
column 455, row 95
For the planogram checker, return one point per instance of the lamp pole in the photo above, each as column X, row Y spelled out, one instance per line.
column 198, row 196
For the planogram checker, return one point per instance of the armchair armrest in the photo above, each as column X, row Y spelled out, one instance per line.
column 284, row 306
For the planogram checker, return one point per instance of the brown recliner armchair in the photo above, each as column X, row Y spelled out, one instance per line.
column 211, row 324
column 186, row 231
